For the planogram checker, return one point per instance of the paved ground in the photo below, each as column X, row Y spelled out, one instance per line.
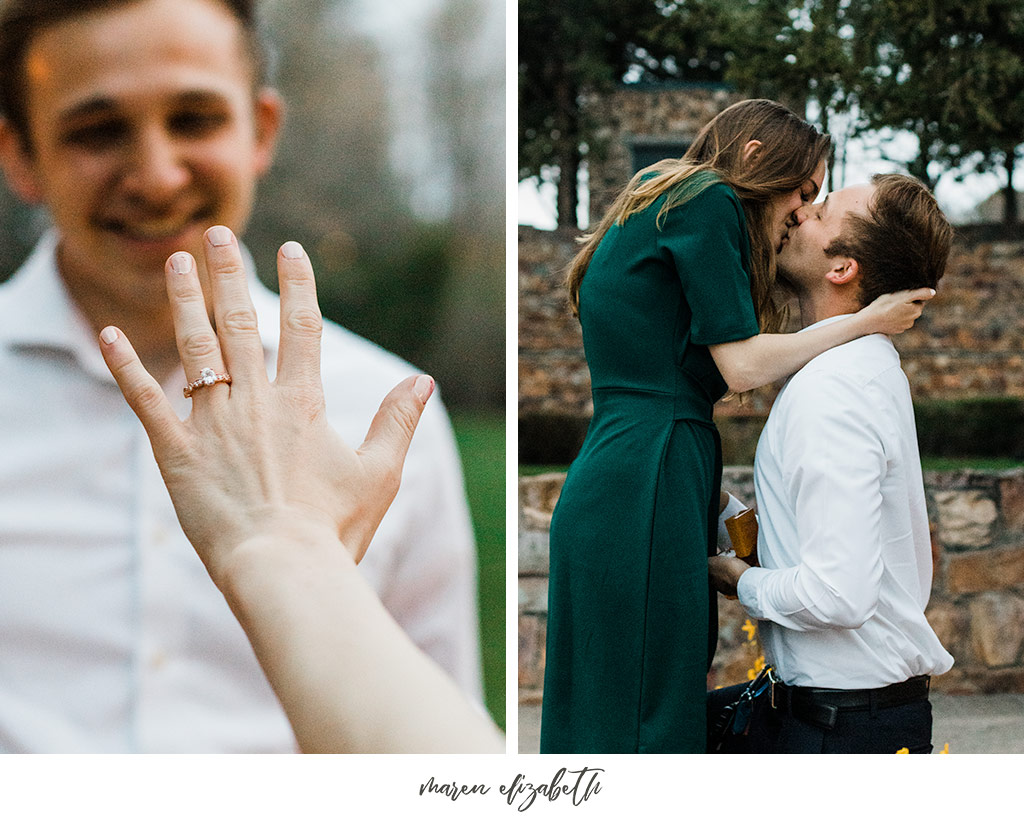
column 970, row 723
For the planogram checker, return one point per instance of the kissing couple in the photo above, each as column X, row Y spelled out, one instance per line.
column 677, row 292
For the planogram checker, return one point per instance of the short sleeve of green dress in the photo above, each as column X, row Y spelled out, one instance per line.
column 711, row 256
column 628, row 605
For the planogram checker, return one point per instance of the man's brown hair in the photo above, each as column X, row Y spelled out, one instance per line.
column 902, row 243
column 21, row 21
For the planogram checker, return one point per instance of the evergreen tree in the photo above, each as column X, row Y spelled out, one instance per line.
column 569, row 51
column 952, row 73
column 797, row 51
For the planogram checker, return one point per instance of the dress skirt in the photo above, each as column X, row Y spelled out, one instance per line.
column 630, row 619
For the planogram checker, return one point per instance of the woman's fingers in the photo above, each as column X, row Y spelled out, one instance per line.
column 298, row 359
column 233, row 311
column 197, row 342
column 913, row 303
column 142, row 392
column 392, row 428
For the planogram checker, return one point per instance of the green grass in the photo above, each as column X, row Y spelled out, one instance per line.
column 481, row 440
column 541, row 469
column 986, row 464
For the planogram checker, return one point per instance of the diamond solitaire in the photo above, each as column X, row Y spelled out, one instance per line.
column 207, row 377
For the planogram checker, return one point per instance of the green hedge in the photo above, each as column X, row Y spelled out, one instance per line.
column 969, row 428
column 978, row 427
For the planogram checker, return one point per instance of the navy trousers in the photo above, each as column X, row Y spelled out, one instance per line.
column 908, row 726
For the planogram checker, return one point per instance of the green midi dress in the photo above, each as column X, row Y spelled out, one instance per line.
column 631, row 627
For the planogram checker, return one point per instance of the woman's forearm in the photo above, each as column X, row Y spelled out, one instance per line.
column 762, row 359
column 349, row 679
column 748, row 364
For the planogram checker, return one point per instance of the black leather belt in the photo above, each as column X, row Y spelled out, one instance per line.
column 821, row 707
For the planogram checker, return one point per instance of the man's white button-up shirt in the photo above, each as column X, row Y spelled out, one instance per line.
column 844, row 546
column 112, row 636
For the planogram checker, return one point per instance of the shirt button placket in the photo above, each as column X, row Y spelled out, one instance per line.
column 159, row 621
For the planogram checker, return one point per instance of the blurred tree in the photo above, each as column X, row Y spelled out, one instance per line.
column 906, row 76
column 567, row 53
column 466, row 83
column 20, row 227
column 333, row 187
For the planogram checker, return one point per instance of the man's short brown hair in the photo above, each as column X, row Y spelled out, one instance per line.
column 21, row 21
column 902, row 243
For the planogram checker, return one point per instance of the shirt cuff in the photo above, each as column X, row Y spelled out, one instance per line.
column 747, row 591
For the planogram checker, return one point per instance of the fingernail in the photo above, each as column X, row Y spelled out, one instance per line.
column 181, row 262
column 292, row 250
column 108, row 335
column 220, row 236
column 423, row 387
column 933, row 292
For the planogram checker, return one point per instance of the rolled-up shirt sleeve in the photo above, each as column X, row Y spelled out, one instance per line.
column 834, row 463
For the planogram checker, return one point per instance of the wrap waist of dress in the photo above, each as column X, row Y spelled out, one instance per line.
column 652, row 404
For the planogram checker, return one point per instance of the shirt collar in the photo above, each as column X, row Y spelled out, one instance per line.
column 39, row 312
column 827, row 321
column 37, row 308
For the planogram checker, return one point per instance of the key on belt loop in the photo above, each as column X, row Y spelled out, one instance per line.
column 773, row 679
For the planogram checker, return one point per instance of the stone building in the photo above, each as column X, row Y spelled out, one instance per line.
column 644, row 123
column 969, row 344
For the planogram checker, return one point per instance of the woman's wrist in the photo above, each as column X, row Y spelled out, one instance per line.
column 283, row 549
column 859, row 324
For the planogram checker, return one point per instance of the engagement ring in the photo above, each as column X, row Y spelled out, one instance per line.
column 206, row 378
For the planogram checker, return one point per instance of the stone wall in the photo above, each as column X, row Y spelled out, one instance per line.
column 553, row 376
column 976, row 608
column 968, row 343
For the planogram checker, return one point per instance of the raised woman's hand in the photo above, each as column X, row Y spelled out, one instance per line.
column 896, row 312
column 256, row 458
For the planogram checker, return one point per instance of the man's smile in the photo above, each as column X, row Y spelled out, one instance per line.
column 156, row 229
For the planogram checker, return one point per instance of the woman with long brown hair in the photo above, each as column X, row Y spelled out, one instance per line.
column 674, row 291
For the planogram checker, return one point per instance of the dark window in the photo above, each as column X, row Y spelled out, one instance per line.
column 648, row 152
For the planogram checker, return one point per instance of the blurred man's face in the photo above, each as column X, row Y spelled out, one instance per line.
column 145, row 130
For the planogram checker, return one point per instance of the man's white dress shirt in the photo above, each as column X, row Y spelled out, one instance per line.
column 843, row 536
column 112, row 636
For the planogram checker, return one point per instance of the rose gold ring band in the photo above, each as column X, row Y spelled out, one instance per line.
column 206, row 378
